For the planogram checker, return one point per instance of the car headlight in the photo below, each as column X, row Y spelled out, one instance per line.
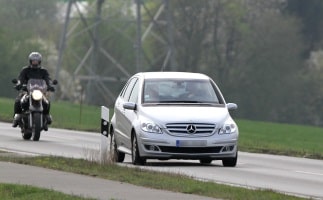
column 37, row 95
column 150, row 127
column 227, row 129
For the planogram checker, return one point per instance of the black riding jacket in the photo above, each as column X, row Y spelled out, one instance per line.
column 35, row 73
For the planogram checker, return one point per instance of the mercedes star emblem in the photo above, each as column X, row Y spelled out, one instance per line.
column 191, row 129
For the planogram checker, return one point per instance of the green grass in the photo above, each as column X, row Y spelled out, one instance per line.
column 65, row 115
column 72, row 116
column 283, row 139
column 6, row 109
column 146, row 178
column 24, row 192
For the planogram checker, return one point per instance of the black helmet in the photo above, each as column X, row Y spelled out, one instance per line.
column 35, row 56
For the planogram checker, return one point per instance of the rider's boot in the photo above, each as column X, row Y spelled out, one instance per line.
column 49, row 119
column 45, row 127
column 16, row 120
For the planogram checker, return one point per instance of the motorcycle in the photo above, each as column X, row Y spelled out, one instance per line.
column 33, row 101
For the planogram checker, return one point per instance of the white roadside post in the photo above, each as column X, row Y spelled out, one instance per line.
column 104, row 134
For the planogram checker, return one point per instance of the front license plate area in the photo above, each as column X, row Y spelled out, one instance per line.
column 190, row 143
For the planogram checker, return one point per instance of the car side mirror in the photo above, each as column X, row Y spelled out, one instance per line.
column 129, row 106
column 232, row 106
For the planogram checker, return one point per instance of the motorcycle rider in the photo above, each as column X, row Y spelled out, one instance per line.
column 33, row 71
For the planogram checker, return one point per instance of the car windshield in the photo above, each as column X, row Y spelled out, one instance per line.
column 179, row 91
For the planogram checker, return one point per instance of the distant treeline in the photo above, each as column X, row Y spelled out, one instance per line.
column 266, row 55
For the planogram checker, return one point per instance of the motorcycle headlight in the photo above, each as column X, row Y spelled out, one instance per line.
column 227, row 129
column 37, row 95
column 150, row 127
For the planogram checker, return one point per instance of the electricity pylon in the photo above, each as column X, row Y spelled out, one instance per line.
column 87, row 69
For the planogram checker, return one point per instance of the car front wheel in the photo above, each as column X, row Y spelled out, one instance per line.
column 115, row 155
column 230, row 162
column 135, row 155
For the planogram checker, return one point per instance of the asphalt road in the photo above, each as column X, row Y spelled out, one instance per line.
column 296, row 176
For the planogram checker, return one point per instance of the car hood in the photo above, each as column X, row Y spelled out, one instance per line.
column 185, row 114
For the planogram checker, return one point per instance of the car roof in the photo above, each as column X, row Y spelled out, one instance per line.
column 185, row 75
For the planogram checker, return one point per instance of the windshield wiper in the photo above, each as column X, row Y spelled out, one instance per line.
column 181, row 102
column 190, row 101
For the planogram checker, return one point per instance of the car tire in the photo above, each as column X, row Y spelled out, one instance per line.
column 135, row 155
column 115, row 155
column 230, row 162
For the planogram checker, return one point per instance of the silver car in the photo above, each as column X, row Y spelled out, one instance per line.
column 173, row 115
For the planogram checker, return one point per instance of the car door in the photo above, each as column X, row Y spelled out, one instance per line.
column 118, row 110
column 122, row 122
column 131, row 115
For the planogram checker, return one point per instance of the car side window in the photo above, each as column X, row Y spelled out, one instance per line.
column 129, row 88
column 134, row 94
column 124, row 89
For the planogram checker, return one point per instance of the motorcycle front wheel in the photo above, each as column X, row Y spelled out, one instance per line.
column 25, row 131
column 36, row 126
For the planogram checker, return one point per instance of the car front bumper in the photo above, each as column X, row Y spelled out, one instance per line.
column 188, row 148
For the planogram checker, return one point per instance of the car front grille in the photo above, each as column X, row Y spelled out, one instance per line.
column 191, row 129
column 190, row 150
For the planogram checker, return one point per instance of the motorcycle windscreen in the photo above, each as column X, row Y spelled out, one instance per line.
column 36, row 84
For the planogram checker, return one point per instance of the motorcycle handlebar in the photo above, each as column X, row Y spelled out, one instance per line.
column 18, row 86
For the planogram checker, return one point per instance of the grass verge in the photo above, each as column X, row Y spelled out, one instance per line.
column 65, row 115
column 281, row 139
column 25, row 192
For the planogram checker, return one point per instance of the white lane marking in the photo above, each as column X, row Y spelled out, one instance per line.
column 311, row 173
column 20, row 152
